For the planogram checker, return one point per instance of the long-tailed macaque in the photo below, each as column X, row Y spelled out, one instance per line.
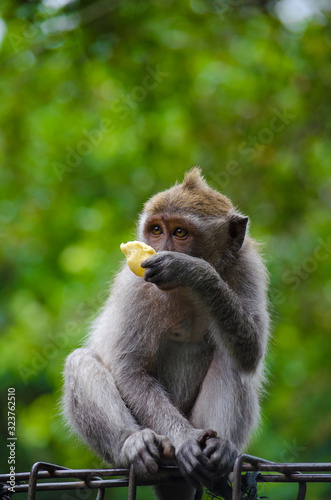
column 173, row 366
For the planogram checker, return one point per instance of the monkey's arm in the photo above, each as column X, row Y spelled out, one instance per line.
column 244, row 330
column 96, row 411
column 243, row 321
column 145, row 397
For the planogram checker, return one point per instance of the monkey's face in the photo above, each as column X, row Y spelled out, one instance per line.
column 210, row 238
column 199, row 237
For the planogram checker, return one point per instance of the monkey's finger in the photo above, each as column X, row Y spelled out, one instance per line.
column 207, row 434
column 201, row 457
column 211, row 446
column 150, row 261
column 222, row 454
column 169, row 451
column 154, row 277
column 152, row 449
column 195, row 462
column 221, row 448
column 166, row 448
column 147, row 463
column 201, row 469
column 152, row 273
column 195, row 477
column 142, row 469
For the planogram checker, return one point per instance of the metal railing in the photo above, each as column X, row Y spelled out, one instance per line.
column 272, row 472
column 247, row 472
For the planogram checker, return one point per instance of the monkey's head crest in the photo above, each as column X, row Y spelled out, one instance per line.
column 193, row 196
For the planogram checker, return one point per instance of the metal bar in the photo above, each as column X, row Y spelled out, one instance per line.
column 294, row 478
column 100, row 479
column 302, row 491
column 64, row 472
column 115, row 483
column 82, row 473
column 101, row 491
column 236, row 479
column 34, row 476
column 32, row 486
column 278, row 467
column 284, row 473
column 251, row 463
column 101, row 494
column 33, row 481
column 255, row 464
column 132, row 484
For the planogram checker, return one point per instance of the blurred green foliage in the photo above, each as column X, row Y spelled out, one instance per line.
column 105, row 103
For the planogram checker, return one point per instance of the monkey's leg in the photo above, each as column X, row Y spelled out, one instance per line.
column 229, row 405
column 227, row 402
column 96, row 411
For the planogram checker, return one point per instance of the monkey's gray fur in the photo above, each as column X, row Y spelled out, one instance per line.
column 181, row 352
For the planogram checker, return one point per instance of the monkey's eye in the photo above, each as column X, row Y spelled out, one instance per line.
column 156, row 230
column 180, row 232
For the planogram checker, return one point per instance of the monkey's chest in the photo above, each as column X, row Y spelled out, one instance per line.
column 188, row 331
column 181, row 367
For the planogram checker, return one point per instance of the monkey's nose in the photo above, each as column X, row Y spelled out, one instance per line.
column 167, row 246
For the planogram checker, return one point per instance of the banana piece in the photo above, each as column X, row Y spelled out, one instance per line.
column 135, row 252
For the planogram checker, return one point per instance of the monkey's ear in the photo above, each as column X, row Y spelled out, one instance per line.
column 237, row 230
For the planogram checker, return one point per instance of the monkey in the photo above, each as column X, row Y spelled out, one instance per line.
column 173, row 368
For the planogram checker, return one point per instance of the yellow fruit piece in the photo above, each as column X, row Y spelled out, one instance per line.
column 135, row 252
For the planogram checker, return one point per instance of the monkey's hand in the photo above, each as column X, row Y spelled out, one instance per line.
column 206, row 460
column 222, row 454
column 144, row 449
column 171, row 269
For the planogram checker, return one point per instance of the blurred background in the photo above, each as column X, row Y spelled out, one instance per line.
column 103, row 104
